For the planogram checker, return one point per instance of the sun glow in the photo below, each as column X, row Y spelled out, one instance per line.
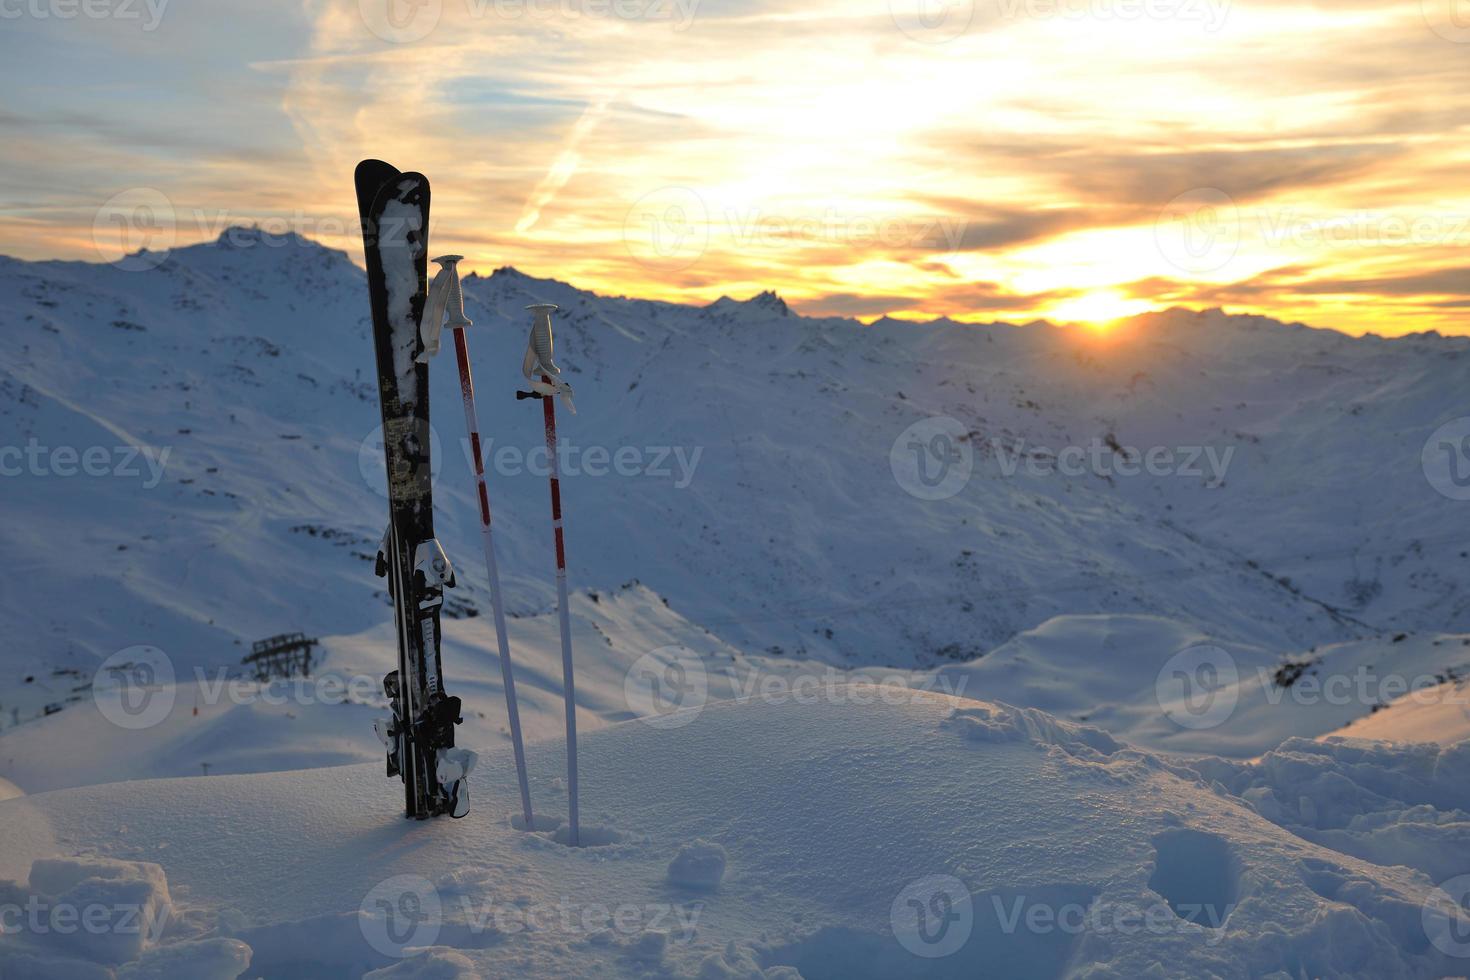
column 1097, row 310
column 1080, row 162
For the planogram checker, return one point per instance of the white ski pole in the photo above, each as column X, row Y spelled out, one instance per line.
column 449, row 298
column 542, row 372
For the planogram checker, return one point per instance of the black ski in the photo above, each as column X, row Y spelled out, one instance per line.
column 394, row 208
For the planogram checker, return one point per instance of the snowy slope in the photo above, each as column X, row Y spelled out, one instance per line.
column 747, row 524
column 242, row 726
column 759, row 841
column 765, row 507
column 1440, row 714
column 1116, row 672
column 1111, row 672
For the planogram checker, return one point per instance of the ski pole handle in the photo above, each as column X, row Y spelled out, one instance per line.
column 454, row 303
column 445, row 296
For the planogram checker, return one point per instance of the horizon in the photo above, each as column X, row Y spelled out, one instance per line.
column 1079, row 161
column 735, row 488
column 1097, row 330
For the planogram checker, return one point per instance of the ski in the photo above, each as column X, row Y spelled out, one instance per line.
column 394, row 208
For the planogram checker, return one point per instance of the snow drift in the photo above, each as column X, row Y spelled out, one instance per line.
column 936, row 837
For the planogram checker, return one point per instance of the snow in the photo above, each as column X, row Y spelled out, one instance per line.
column 83, row 917
column 1114, row 672
column 401, row 248
column 1439, row 714
column 434, row 964
column 326, row 720
column 1102, row 670
column 700, row 865
column 840, row 719
column 1066, row 852
column 1382, row 802
column 231, row 391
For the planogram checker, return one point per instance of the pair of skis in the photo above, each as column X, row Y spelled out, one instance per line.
column 408, row 317
column 394, row 208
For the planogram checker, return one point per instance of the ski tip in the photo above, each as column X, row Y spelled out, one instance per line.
column 369, row 178
column 373, row 165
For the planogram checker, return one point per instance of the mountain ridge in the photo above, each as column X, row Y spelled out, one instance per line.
column 764, row 503
column 241, row 237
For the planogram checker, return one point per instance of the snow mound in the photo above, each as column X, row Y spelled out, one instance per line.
column 91, row 917
column 1122, row 673
column 1385, row 803
column 1003, row 723
column 936, row 837
column 435, row 964
column 700, row 865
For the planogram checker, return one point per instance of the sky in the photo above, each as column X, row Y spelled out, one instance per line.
column 1072, row 160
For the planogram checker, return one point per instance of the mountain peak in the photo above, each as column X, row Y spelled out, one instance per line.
column 250, row 236
column 766, row 302
column 508, row 276
column 769, row 300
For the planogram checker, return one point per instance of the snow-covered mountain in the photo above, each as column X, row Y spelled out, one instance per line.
column 877, row 629
column 745, row 463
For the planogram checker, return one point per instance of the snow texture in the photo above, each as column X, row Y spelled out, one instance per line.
column 1056, row 850
column 832, row 728
column 231, row 389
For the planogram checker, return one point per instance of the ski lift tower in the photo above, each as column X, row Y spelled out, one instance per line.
column 280, row 656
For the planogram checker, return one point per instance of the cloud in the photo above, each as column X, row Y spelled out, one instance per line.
column 965, row 300
column 1136, row 181
column 562, row 168
column 1037, row 151
column 851, row 304
column 1453, row 281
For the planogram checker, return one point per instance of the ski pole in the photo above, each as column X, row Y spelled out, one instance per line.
column 454, row 301
column 538, row 362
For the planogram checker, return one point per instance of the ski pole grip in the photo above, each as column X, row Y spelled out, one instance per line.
column 454, row 294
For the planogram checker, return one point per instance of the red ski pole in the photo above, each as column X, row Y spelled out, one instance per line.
column 453, row 299
column 538, row 364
